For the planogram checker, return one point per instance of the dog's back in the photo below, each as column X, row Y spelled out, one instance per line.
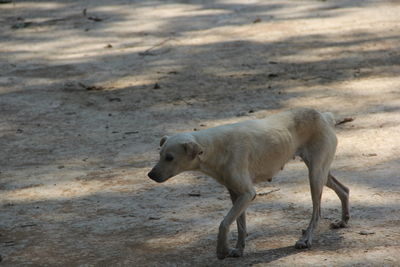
column 264, row 146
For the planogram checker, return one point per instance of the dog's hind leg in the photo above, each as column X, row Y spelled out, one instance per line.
column 241, row 226
column 318, row 166
column 317, row 178
column 343, row 194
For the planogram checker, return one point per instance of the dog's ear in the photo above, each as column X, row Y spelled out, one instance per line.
column 162, row 141
column 192, row 149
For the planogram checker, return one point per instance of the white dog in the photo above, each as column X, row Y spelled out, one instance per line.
column 238, row 155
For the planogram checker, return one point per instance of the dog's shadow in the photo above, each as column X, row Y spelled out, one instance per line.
column 324, row 242
column 271, row 255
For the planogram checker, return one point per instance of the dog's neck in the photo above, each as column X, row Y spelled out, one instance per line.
column 210, row 163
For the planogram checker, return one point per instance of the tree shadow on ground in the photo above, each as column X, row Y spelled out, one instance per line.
column 165, row 224
column 58, row 105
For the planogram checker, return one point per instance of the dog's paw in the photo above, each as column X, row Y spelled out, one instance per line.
column 338, row 224
column 302, row 244
column 222, row 254
column 235, row 252
column 232, row 252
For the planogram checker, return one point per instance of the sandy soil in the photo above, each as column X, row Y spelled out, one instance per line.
column 87, row 88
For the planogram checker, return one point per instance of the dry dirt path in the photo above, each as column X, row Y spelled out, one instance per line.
column 87, row 88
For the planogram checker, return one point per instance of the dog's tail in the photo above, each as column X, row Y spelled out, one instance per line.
column 329, row 118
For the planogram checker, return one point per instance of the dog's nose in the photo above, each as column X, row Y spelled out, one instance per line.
column 153, row 176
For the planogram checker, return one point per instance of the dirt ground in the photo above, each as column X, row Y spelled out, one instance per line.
column 87, row 89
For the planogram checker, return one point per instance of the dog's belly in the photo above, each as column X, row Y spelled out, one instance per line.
column 262, row 178
column 265, row 176
column 265, row 170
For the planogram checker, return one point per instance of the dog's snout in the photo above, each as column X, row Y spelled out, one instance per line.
column 154, row 176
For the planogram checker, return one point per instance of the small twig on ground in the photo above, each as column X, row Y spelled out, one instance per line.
column 344, row 120
column 370, row 155
column 91, row 87
column 148, row 51
column 132, row 132
column 94, row 18
column 363, row 232
column 195, row 194
column 9, row 243
column 28, row 225
column 267, row 193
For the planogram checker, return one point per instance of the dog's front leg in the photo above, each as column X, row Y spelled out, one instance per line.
column 242, row 202
column 241, row 227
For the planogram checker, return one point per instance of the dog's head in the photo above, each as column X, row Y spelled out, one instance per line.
column 178, row 153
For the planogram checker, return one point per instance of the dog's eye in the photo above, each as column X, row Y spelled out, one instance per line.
column 169, row 157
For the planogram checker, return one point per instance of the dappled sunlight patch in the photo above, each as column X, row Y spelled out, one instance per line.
column 377, row 197
column 170, row 241
column 44, row 6
column 67, row 184
column 137, row 81
column 342, row 257
column 61, row 190
column 374, row 86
